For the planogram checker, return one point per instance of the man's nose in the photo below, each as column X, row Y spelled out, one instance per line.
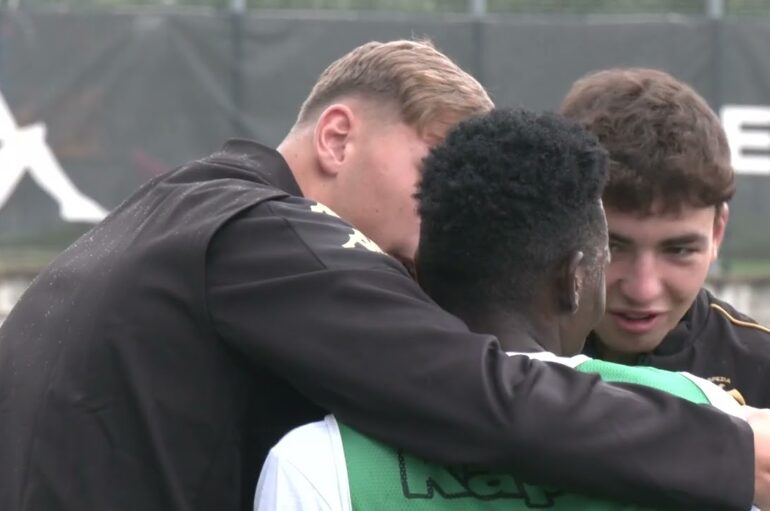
column 641, row 283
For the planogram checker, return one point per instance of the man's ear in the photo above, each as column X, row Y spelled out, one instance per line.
column 720, row 226
column 569, row 282
column 332, row 137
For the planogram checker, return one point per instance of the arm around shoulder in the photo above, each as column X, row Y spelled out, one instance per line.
column 301, row 293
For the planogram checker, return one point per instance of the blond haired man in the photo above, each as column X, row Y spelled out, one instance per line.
column 154, row 363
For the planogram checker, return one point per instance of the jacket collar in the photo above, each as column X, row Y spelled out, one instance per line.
column 265, row 162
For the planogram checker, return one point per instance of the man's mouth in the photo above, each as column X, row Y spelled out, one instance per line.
column 636, row 322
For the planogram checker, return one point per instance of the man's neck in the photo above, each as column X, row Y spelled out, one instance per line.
column 519, row 332
column 294, row 149
column 519, row 342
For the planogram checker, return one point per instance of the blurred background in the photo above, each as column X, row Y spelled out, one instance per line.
column 98, row 96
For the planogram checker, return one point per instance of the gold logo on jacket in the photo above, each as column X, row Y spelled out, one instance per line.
column 727, row 385
column 356, row 238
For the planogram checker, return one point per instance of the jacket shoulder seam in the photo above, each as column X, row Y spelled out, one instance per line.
column 297, row 236
column 739, row 322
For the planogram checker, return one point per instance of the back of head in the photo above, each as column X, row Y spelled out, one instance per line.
column 423, row 84
column 667, row 148
column 504, row 200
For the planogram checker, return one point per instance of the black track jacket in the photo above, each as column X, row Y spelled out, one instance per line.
column 154, row 362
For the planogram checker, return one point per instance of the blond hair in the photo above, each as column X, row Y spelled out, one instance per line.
column 425, row 85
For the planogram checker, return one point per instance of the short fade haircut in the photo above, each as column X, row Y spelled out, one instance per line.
column 503, row 200
column 667, row 147
column 426, row 87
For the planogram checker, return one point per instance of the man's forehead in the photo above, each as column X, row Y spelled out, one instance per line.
column 660, row 204
column 435, row 132
column 684, row 213
column 433, row 138
column 435, row 129
column 688, row 221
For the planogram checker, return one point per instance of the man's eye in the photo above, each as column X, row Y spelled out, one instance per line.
column 680, row 251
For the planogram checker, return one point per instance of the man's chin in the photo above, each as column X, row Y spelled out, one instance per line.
column 637, row 345
column 629, row 346
column 406, row 256
column 408, row 264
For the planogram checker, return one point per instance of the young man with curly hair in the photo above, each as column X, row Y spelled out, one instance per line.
column 514, row 242
column 670, row 181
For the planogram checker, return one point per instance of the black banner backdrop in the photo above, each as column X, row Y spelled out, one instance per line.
column 117, row 98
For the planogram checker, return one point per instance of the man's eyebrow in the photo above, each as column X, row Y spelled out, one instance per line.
column 686, row 239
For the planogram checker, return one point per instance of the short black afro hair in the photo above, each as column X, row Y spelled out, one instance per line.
column 506, row 197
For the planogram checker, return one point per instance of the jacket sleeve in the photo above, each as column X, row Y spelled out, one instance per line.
column 301, row 293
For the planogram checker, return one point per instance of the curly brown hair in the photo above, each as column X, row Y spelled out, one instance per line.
column 667, row 147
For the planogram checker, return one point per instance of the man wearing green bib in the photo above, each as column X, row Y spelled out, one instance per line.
column 514, row 242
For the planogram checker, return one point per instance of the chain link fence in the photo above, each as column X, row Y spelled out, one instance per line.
column 712, row 8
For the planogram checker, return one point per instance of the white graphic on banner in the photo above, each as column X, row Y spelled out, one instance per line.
column 748, row 133
column 24, row 150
